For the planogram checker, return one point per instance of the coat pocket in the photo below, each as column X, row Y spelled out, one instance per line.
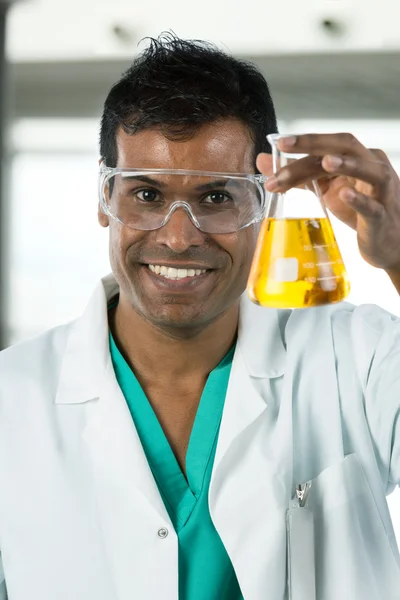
column 354, row 559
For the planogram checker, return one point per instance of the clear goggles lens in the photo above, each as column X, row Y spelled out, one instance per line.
column 215, row 202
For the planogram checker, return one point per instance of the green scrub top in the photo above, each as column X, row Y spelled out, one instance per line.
column 205, row 570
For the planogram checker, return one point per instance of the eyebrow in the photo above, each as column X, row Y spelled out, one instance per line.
column 217, row 183
column 204, row 187
column 143, row 178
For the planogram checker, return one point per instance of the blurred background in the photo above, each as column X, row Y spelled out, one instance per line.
column 333, row 65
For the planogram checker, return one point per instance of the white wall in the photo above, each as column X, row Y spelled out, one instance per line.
column 59, row 29
column 58, row 251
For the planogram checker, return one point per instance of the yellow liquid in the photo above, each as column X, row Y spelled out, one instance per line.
column 297, row 264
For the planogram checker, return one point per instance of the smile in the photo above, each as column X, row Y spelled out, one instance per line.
column 174, row 273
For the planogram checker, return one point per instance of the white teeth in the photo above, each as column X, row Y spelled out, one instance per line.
column 172, row 273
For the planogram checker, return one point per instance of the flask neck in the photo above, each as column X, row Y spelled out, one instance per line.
column 279, row 159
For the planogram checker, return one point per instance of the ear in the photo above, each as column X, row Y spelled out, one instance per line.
column 264, row 164
column 102, row 218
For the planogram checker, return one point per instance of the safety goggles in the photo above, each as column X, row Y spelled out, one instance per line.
column 145, row 199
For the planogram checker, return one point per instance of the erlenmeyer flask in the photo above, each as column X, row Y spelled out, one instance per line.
column 297, row 262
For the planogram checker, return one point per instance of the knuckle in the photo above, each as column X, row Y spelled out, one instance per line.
column 348, row 139
column 386, row 172
column 378, row 213
column 379, row 153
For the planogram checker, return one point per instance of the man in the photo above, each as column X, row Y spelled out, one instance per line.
column 177, row 440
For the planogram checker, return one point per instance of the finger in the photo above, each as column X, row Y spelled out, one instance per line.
column 383, row 157
column 374, row 172
column 332, row 200
column 380, row 154
column 324, row 143
column 367, row 207
column 297, row 173
column 264, row 163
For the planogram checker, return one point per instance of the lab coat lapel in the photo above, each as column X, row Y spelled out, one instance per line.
column 120, row 463
column 87, row 376
column 250, row 487
column 129, row 504
column 131, row 510
column 260, row 354
column 316, row 406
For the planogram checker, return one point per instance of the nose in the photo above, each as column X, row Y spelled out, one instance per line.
column 179, row 233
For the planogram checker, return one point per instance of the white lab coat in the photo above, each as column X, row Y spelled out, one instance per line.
column 80, row 513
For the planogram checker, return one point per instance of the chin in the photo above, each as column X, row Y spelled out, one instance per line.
column 177, row 316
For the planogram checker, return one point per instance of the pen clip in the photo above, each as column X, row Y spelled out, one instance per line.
column 302, row 491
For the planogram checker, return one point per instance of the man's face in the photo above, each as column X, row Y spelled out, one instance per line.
column 194, row 302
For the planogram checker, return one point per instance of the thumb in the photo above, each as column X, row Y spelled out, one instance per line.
column 264, row 164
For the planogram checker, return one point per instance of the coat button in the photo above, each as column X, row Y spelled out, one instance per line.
column 162, row 533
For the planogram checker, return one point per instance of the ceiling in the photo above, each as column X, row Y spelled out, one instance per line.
column 364, row 85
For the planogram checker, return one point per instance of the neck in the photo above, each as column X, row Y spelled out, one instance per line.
column 167, row 355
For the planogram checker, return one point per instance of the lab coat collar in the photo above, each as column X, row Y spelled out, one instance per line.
column 260, row 338
column 87, row 350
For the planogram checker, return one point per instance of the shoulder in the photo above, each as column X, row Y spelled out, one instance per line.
column 343, row 331
column 367, row 337
column 358, row 324
column 365, row 319
column 367, row 329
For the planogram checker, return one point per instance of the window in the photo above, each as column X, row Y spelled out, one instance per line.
column 58, row 250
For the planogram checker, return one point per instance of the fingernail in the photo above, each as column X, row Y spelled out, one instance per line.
column 334, row 161
column 272, row 183
column 288, row 142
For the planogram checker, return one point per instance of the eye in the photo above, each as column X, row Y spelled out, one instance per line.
column 147, row 195
column 217, row 198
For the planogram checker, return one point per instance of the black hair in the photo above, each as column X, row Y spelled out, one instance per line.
column 179, row 85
